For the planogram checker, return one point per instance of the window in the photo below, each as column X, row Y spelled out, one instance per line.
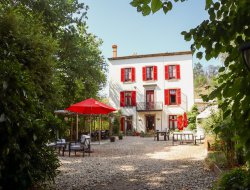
column 172, row 72
column 172, row 122
column 172, row 96
column 149, row 73
column 127, row 98
column 128, row 74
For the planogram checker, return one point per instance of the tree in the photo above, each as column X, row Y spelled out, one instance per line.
column 223, row 33
column 47, row 60
column 26, row 62
column 198, row 70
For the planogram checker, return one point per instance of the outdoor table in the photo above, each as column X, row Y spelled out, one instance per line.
column 183, row 137
column 164, row 133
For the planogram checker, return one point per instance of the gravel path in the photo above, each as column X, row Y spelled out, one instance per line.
column 136, row 163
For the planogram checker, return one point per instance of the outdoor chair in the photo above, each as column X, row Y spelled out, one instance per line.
column 155, row 134
column 60, row 144
column 86, row 144
column 76, row 147
column 198, row 137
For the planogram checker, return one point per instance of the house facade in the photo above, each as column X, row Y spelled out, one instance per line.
column 151, row 90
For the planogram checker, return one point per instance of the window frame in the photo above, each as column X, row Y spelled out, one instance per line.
column 172, row 120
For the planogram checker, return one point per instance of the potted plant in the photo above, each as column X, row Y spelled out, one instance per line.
column 120, row 136
column 112, row 139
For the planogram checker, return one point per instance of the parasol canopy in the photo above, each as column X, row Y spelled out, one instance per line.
column 90, row 106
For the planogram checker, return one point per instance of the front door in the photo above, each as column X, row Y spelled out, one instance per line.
column 149, row 99
column 150, row 123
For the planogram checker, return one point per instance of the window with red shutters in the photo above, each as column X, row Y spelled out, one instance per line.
column 172, row 96
column 172, row 72
column 122, row 103
column 149, row 73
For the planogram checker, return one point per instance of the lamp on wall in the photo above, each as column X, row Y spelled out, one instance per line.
column 139, row 119
column 158, row 119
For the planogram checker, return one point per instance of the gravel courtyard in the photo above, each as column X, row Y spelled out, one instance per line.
column 136, row 163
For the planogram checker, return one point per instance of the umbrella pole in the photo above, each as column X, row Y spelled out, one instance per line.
column 76, row 127
column 90, row 127
column 100, row 129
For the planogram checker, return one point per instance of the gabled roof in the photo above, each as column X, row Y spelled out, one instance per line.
column 151, row 55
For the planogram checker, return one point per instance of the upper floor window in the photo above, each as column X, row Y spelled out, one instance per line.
column 128, row 74
column 127, row 98
column 172, row 96
column 149, row 73
column 172, row 72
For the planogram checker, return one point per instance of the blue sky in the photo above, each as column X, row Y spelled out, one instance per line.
column 117, row 22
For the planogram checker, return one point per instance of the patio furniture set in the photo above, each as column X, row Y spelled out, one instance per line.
column 181, row 137
column 76, row 146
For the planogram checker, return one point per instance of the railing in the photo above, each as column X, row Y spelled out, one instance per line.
column 149, row 106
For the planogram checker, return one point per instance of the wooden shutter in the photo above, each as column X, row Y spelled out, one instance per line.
column 178, row 72
column 155, row 72
column 122, row 122
column 143, row 73
column 122, row 75
column 122, row 99
column 166, row 97
column 133, row 74
column 166, row 72
column 133, row 96
column 178, row 96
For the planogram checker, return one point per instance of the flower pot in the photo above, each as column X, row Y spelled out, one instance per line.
column 120, row 137
column 112, row 139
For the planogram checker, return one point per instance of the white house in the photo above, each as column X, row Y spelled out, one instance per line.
column 151, row 90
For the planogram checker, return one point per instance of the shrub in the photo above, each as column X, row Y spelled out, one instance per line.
column 233, row 180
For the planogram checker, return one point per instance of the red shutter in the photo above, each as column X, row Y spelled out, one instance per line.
column 155, row 72
column 133, row 96
column 143, row 73
column 122, row 103
column 166, row 72
column 178, row 72
column 133, row 74
column 122, row 120
column 122, row 75
column 178, row 96
column 166, row 97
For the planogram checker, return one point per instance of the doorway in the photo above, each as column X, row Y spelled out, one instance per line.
column 150, row 99
column 150, row 123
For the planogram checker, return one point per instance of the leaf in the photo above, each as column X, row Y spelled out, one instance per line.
column 146, row 10
column 134, row 3
column 156, row 5
column 208, row 4
column 199, row 55
column 222, row 69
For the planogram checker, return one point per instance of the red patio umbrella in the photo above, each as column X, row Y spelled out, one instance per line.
column 180, row 122
column 185, row 120
column 91, row 107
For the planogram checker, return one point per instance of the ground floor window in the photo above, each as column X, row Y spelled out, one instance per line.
column 172, row 122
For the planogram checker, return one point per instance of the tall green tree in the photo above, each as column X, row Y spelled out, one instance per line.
column 47, row 61
column 223, row 33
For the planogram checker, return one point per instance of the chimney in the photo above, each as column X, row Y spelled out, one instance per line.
column 114, row 50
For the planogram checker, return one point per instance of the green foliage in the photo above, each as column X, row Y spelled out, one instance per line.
column 47, row 61
column 26, row 62
column 192, row 118
column 223, row 33
column 116, row 125
column 217, row 158
column 234, row 180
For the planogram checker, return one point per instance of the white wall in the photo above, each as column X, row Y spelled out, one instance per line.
column 185, row 83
